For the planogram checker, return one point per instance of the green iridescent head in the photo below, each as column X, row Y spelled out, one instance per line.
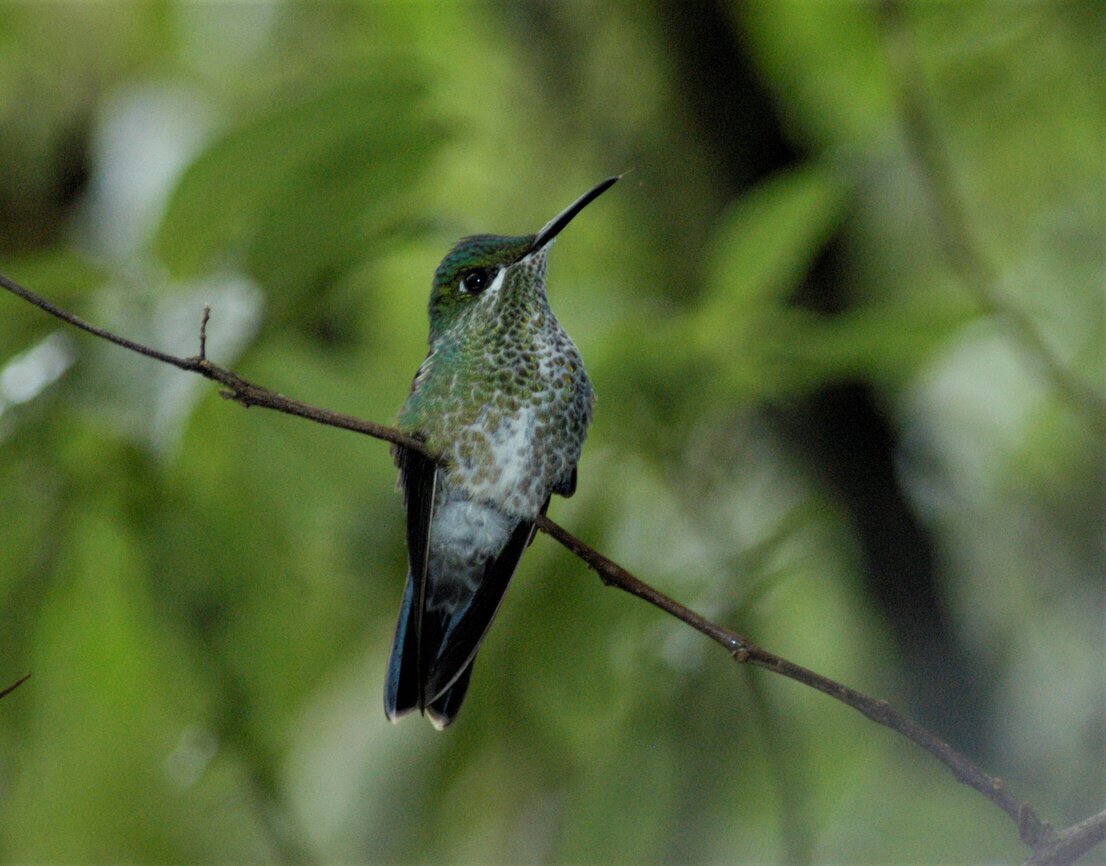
column 468, row 270
column 480, row 269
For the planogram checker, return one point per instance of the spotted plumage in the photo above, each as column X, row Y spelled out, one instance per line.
column 505, row 401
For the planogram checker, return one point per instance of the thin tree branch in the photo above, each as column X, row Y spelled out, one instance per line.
column 14, row 686
column 1047, row 844
column 743, row 650
column 237, row 389
column 962, row 248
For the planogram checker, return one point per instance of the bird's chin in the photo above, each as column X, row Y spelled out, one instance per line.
column 536, row 258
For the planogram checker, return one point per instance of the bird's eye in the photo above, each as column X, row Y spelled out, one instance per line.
column 474, row 282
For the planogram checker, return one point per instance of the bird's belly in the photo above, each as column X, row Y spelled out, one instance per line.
column 501, row 462
column 511, row 447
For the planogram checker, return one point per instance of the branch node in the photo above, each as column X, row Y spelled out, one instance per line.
column 1031, row 829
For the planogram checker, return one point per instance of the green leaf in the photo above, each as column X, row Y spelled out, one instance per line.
column 761, row 251
column 296, row 189
column 768, row 240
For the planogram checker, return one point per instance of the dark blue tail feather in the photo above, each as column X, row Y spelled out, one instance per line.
column 401, row 686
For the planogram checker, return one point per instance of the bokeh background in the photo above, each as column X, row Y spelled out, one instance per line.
column 844, row 314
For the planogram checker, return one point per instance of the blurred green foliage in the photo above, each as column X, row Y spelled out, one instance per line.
column 206, row 595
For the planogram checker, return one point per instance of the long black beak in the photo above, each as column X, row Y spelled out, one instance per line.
column 554, row 226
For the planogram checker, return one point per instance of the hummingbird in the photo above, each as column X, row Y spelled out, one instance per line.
column 504, row 400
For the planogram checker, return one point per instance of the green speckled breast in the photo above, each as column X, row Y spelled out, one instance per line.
column 503, row 395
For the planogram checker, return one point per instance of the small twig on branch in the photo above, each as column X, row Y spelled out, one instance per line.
column 203, row 332
column 14, row 686
column 1047, row 844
